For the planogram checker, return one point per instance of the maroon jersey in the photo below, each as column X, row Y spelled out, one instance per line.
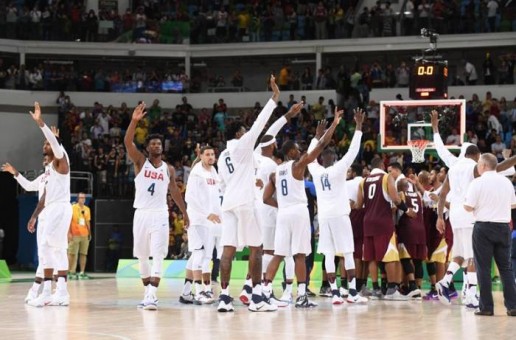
column 377, row 209
column 411, row 230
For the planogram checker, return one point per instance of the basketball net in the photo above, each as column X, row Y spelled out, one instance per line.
column 417, row 148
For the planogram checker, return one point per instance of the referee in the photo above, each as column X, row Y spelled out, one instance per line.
column 490, row 198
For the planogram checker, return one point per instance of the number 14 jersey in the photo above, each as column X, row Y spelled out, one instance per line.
column 151, row 187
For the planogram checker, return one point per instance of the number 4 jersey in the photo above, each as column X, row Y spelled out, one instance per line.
column 151, row 186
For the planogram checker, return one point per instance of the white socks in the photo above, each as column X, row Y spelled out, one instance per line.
column 301, row 289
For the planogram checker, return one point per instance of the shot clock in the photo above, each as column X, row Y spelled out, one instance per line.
column 429, row 80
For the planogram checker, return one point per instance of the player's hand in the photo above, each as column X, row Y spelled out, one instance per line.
column 31, row 225
column 55, row 131
column 440, row 225
column 274, row 87
column 433, row 197
column 259, row 183
column 186, row 220
column 359, row 117
column 294, row 110
column 411, row 213
column 213, row 218
column 319, row 130
column 9, row 168
column 338, row 116
column 435, row 121
column 139, row 112
column 506, row 153
column 412, row 179
column 197, row 150
column 36, row 115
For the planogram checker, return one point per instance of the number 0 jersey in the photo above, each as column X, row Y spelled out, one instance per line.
column 378, row 218
column 289, row 191
column 151, row 187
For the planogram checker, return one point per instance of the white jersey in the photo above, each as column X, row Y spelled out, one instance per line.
column 203, row 195
column 289, row 190
column 151, row 187
column 352, row 186
column 236, row 164
column 57, row 185
column 460, row 176
column 36, row 185
column 330, row 182
column 266, row 167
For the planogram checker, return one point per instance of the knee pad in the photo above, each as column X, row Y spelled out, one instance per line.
column 157, row 265
column 145, row 270
column 349, row 261
column 418, row 269
column 266, row 259
column 197, row 256
column 189, row 263
column 329, row 260
column 289, row 267
column 408, row 268
column 60, row 260
column 430, row 268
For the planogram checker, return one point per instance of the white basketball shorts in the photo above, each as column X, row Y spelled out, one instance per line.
column 150, row 233
column 293, row 232
column 335, row 235
column 54, row 222
column 240, row 228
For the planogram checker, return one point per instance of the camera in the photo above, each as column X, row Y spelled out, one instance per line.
column 433, row 35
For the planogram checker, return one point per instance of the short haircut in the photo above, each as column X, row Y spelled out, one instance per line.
column 328, row 151
column 287, row 146
column 266, row 138
column 489, row 160
column 232, row 129
column 376, row 163
column 153, row 136
column 357, row 169
column 396, row 165
column 472, row 150
column 206, row 147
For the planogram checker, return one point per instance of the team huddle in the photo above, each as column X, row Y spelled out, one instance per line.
column 371, row 223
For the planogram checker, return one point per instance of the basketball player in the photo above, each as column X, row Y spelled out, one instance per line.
column 203, row 199
column 266, row 215
column 411, row 239
column 54, row 221
column 462, row 171
column 356, row 216
column 293, row 232
column 335, row 231
column 154, row 178
column 237, row 170
column 376, row 193
column 38, row 185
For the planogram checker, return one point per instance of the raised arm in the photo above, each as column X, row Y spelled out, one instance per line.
column 60, row 161
column 132, row 151
column 249, row 139
column 176, row 195
column 298, row 168
column 345, row 162
column 440, row 225
column 268, row 192
column 444, row 154
column 22, row 181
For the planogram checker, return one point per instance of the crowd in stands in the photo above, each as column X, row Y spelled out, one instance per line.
column 217, row 21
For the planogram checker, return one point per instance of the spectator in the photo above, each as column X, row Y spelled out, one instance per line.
column 408, row 18
column 319, row 109
column 492, row 11
column 488, row 68
column 321, row 17
column 453, row 138
column 497, row 148
column 79, row 237
column 470, row 72
column 402, row 75
column 238, row 80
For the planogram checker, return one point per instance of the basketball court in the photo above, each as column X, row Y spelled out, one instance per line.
column 105, row 308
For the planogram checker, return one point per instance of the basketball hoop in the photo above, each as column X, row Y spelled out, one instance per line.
column 417, row 148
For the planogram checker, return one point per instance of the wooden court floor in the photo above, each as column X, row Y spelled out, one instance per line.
column 105, row 308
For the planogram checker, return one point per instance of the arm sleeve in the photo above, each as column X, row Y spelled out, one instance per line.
column 276, row 126
column 26, row 184
column 313, row 144
column 507, row 172
column 249, row 139
column 193, row 192
column 56, row 147
column 345, row 162
column 444, row 154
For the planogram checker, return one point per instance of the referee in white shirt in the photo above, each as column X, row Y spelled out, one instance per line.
column 490, row 198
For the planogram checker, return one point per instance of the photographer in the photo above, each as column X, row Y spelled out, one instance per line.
column 79, row 237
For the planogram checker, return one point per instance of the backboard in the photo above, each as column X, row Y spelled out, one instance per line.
column 401, row 121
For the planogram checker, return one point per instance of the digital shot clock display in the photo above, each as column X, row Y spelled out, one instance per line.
column 429, row 80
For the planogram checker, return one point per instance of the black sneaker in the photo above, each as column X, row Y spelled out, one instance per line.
column 309, row 293
column 325, row 291
column 187, row 299
column 303, row 302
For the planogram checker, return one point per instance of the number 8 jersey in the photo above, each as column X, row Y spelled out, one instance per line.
column 151, row 187
column 289, row 191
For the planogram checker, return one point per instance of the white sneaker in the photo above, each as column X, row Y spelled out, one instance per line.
column 287, row 297
column 276, row 302
column 31, row 295
column 356, row 299
column 471, row 301
column 343, row 292
column 246, row 295
column 225, row 304
column 44, row 299
column 262, row 306
column 203, row 299
column 60, row 299
column 395, row 296
column 337, row 300
column 150, row 303
column 415, row 294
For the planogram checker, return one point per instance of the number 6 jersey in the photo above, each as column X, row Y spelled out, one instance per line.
column 151, row 187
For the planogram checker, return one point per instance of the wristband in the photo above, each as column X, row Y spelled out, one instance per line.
column 402, row 206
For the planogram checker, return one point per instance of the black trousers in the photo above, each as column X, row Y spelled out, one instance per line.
column 493, row 240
